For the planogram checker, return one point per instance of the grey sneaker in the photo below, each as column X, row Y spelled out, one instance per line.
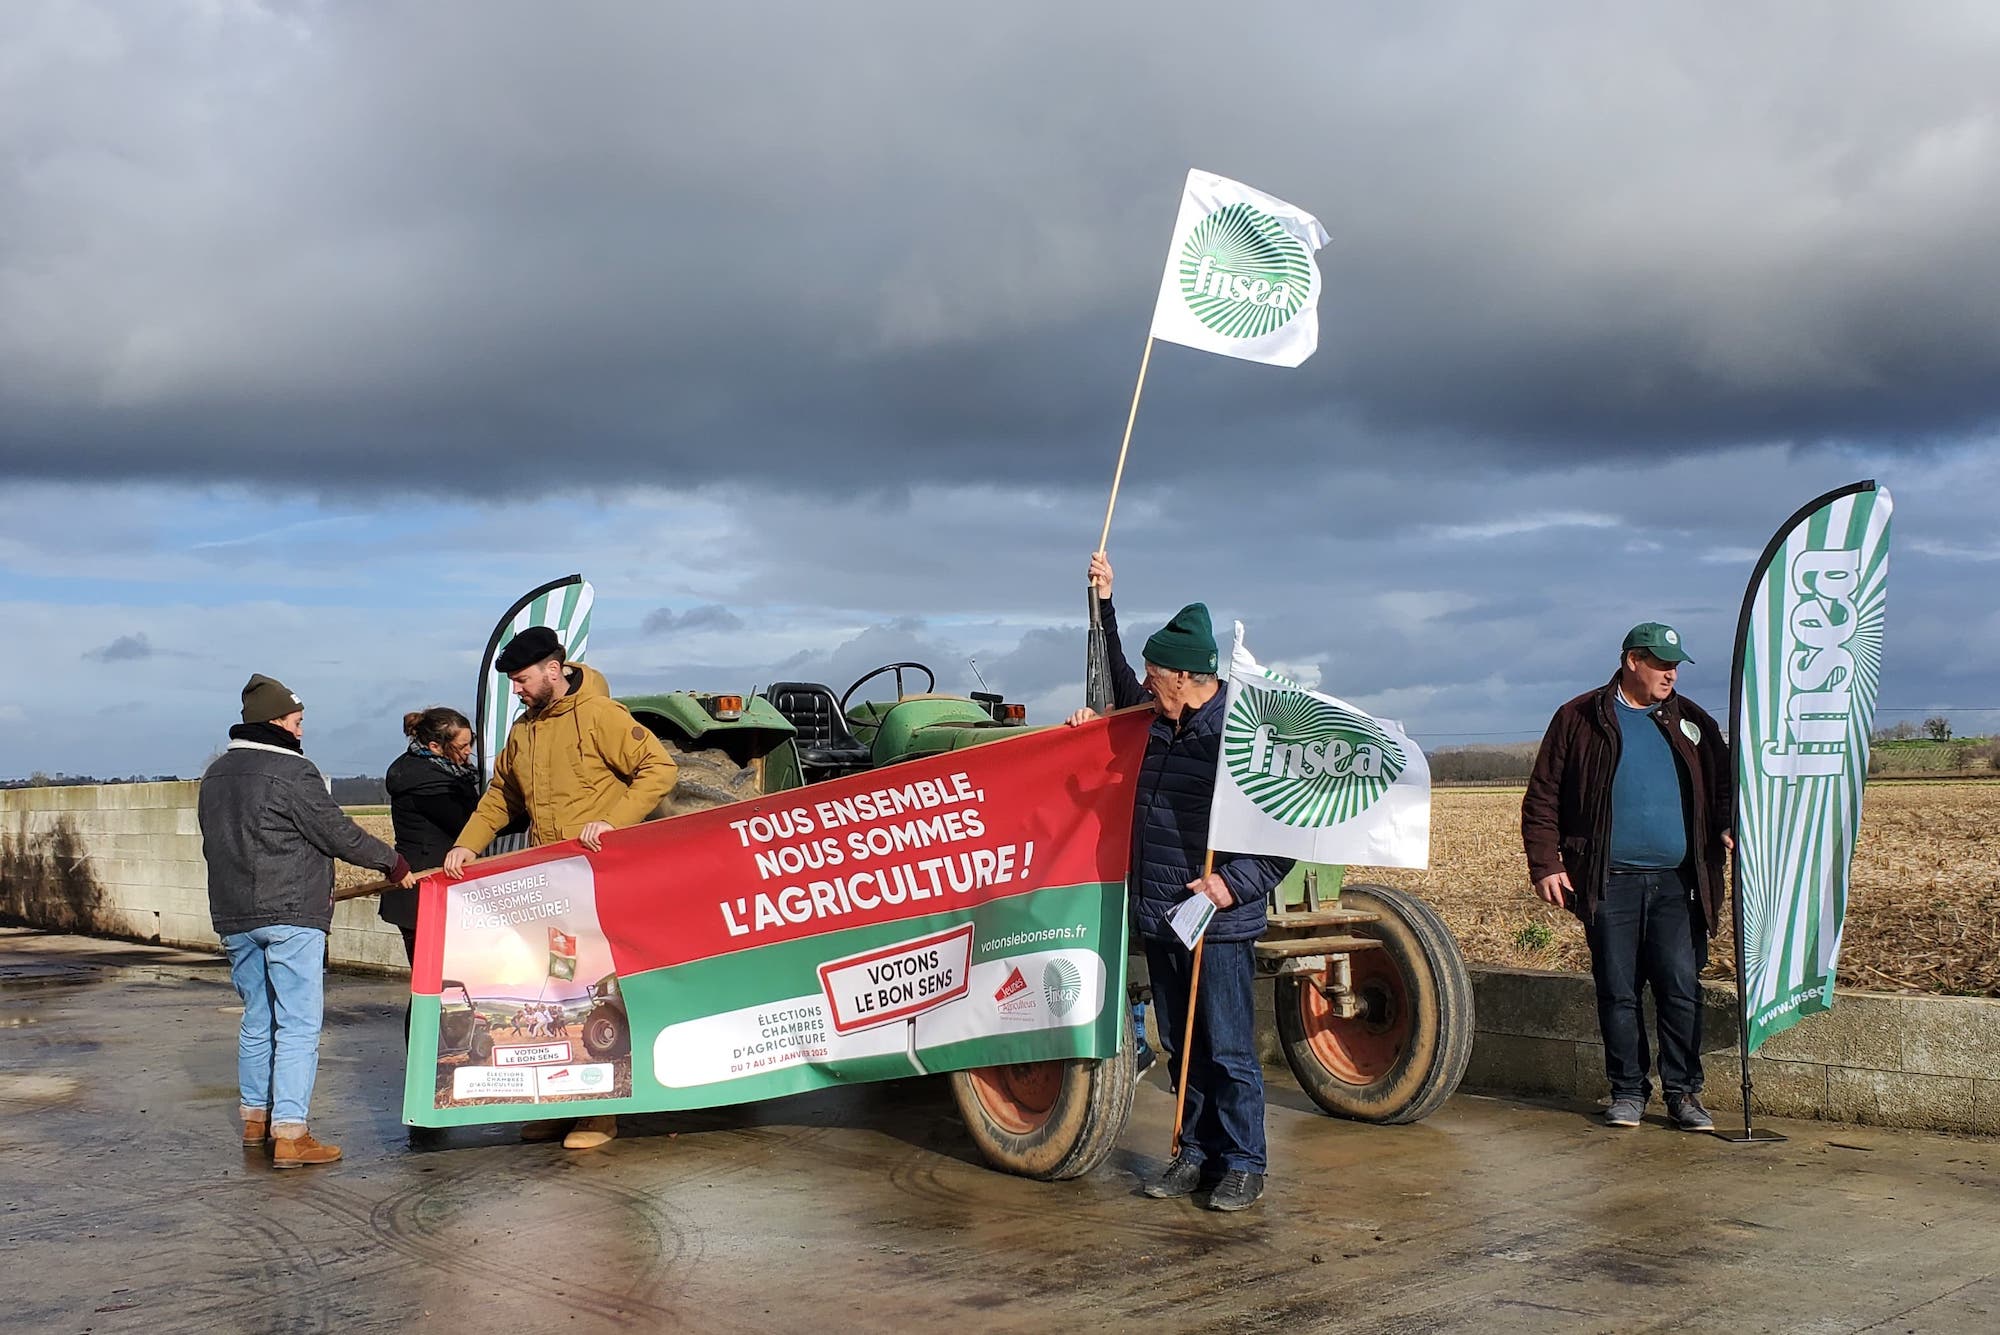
column 1686, row 1112
column 1180, row 1178
column 1625, row 1112
column 1238, row 1190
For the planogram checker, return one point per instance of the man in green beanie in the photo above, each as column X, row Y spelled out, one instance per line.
column 270, row 831
column 1222, row 1136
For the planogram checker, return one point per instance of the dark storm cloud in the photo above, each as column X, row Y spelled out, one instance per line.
column 124, row 649
column 382, row 248
column 707, row 617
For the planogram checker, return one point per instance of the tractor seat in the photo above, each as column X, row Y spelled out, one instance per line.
column 826, row 747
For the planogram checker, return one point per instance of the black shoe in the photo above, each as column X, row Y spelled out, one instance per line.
column 1625, row 1111
column 1180, row 1178
column 1686, row 1112
column 1238, row 1190
column 1144, row 1061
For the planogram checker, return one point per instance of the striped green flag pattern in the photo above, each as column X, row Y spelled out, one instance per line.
column 564, row 607
column 1808, row 669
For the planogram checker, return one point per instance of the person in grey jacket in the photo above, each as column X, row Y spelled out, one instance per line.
column 270, row 831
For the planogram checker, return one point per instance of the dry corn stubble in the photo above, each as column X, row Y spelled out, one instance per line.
column 1923, row 905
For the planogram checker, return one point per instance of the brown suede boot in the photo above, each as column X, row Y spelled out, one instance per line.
column 256, row 1126
column 591, row 1132
column 536, row 1132
column 293, row 1147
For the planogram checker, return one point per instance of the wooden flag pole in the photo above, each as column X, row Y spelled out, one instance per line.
column 377, row 887
column 1187, row 1039
column 1125, row 444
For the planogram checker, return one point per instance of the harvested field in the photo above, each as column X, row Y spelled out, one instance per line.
column 1923, row 912
column 1923, row 909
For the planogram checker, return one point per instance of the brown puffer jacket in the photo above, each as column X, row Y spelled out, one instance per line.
column 584, row 758
column 1566, row 816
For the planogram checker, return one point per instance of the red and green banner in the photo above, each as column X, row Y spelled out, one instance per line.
column 959, row 911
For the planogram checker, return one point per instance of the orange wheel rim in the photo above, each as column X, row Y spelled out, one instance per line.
column 1362, row 1050
column 1021, row 1096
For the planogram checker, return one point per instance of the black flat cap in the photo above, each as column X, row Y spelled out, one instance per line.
column 528, row 648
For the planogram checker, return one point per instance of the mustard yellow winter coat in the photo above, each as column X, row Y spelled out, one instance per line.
column 584, row 758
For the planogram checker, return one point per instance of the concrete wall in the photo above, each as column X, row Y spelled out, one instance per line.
column 1891, row 1060
column 125, row 860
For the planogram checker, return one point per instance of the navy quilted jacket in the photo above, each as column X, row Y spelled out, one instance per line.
column 1170, row 817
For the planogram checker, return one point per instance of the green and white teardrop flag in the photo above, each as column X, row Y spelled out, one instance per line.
column 1240, row 276
column 1808, row 664
column 1303, row 775
column 563, row 605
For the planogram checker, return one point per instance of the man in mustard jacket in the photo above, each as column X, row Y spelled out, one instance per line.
column 576, row 765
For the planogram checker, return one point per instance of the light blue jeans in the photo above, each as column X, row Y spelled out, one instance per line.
column 280, row 972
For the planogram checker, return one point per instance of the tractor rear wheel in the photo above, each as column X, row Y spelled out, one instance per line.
column 1049, row 1120
column 1404, row 1054
column 607, row 1035
column 708, row 777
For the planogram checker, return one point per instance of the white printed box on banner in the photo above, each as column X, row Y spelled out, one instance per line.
column 587, row 1078
column 484, row 1082
column 531, row 1054
column 899, row 981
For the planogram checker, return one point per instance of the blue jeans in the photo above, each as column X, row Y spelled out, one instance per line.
column 1646, row 934
column 280, row 973
column 1223, row 1122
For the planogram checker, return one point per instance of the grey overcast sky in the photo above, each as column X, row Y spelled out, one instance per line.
column 807, row 332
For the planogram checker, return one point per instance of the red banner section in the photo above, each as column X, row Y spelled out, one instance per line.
column 921, row 837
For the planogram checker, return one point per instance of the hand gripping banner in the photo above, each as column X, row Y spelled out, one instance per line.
column 960, row 911
column 1808, row 665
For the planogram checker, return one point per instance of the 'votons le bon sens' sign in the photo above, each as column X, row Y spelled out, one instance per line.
column 965, row 910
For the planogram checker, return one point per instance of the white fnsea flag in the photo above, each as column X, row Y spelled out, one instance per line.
column 1240, row 276
column 1303, row 775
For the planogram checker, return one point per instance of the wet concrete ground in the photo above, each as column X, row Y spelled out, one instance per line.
column 127, row 1206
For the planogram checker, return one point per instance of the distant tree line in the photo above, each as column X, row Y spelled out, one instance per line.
column 359, row 791
column 41, row 780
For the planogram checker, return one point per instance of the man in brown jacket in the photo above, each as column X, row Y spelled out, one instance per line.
column 577, row 765
column 1626, row 824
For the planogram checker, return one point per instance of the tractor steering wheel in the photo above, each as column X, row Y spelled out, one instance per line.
column 930, row 680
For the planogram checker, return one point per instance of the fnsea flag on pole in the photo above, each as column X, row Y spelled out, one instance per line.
column 1240, row 277
column 1303, row 775
column 1808, row 665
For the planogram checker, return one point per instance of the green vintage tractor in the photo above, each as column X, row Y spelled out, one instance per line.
column 1373, row 1002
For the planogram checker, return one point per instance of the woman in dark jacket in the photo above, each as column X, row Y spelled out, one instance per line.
column 433, row 787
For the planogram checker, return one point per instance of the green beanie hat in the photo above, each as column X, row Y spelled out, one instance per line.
column 1185, row 644
column 266, row 698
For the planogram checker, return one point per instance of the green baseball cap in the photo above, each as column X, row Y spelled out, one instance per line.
column 1658, row 639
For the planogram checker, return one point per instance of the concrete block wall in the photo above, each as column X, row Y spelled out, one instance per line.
column 1890, row 1060
column 125, row 860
